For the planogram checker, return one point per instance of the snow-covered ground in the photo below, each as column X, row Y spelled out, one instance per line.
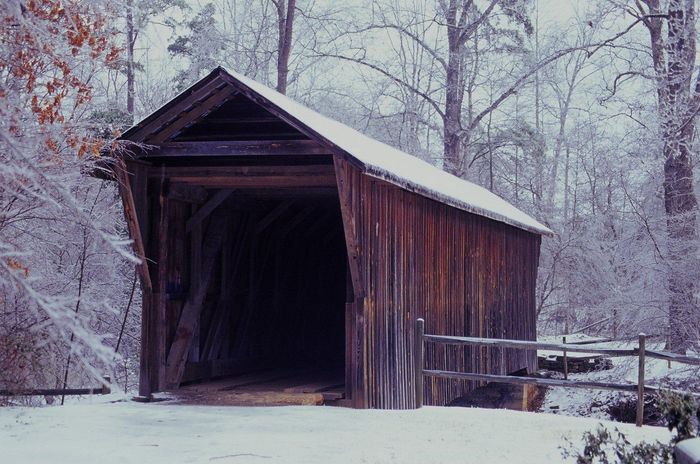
column 594, row 403
column 97, row 431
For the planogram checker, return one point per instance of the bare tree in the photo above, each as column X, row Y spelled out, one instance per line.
column 285, row 21
column 48, row 59
column 672, row 44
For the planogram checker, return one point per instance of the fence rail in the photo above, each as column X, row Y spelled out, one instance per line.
column 640, row 352
column 101, row 390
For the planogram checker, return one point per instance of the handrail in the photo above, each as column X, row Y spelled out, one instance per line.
column 525, row 344
column 640, row 352
column 103, row 389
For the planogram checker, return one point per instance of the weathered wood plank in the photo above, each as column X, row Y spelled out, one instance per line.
column 349, row 227
column 176, row 172
column 131, row 213
column 160, row 305
column 148, row 323
column 196, row 241
column 497, row 342
column 532, row 381
column 238, row 148
column 315, row 387
column 207, row 208
column 667, row 356
column 465, row 274
column 187, row 193
column 273, row 215
column 259, row 182
column 200, row 109
column 419, row 363
column 141, row 132
column 217, row 368
column 177, row 356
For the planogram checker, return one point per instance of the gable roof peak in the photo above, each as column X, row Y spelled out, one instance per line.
column 376, row 158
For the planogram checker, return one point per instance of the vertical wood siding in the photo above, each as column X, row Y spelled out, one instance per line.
column 465, row 274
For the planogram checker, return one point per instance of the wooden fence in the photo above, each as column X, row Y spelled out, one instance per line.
column 640, row 352
column 100, row 390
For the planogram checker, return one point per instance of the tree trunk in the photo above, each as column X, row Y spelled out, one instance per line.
column 285, row 18
column 681, row 204
column 130, row 39
column 678, row 103
column 454, row 96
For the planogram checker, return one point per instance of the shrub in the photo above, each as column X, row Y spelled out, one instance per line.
column 681, row 414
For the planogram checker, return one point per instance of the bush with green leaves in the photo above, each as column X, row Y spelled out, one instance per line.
column 682, row 415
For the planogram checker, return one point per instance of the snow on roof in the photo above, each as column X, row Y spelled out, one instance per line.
column 394, row 166
column 378, row 159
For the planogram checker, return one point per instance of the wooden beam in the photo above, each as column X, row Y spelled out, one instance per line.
column 286, row 117
column 132, row 221
column 187, row 193
column 260, row 182
column 210, row 133
column 239, row 148
column 177, row 356
column 141, row 134
column 294, row 223
column 147, row 361
column 195, row 272
column 176, row 173
column 289, row 193
column 244, row 120
column 256, row 176
column 139, row 187
column 276, row 212
column 160, row 302
column 219, row 317
column 206, row 209
column 349, row 227
column 184, row 120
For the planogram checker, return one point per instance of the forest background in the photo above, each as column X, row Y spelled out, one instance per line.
column 581, row 113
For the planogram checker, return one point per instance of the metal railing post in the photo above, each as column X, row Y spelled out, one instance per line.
column 640, row 380
column 418, row 359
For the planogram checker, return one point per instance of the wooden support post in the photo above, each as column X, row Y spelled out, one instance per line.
column 348, row 214
column 195, row 273
column 132, row 206
column 161, row 306
column 640, row 380
column 207, row 208
column 418, row 359
column 106, row 390
column 566, row 361
column 177, row 356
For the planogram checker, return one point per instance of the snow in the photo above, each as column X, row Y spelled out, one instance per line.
column 575, row 339
column 594, row 403
column 387, row 163
column 129, row 432
column 578, row 338
column 552, row 354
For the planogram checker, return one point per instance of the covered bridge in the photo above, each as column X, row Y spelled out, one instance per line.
column 275, row 238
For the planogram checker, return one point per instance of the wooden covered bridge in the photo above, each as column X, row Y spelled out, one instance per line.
column 281, row 242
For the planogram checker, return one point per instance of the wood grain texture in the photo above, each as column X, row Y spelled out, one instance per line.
column 464, row 274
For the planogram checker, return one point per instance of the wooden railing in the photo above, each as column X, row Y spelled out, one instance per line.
column 100, row 390
column 640, row 352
